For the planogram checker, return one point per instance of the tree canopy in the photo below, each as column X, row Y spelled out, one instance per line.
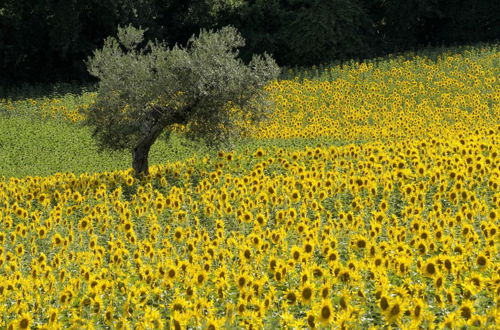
column 146, row 88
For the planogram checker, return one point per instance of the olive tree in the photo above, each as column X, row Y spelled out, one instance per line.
column 145, row 89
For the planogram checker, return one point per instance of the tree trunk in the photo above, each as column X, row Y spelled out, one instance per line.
column 150, row 131
column 140, row 159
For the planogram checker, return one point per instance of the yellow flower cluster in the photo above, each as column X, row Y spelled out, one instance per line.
column 406, row 234
column 393, row 99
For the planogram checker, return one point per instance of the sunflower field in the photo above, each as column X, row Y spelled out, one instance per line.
column 396, row 226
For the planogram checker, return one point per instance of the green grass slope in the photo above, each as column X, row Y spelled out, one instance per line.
column 31, row 146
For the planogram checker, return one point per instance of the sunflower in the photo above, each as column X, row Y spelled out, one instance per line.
column 482, row 260
column 213, row 323
column 129, row 180
column 279, row 275
column 200, row 277
column 344, row 300
column 25, row 321
column 179, row 304
column 57, row 240
column 241, row 306
column 311, row 319
column 259, row 152
column 273, row 263
column 242, row 280
column 384, row 303
column 291, row 297
column 324, row 312
column 19, row 250
column 308, row 248
column 295, row 196
column 359, row 242
column 178, row 234
column 345, row 275
column 295, row 252
column 448, row 264
column 477, row 321
column 384, row 205
column 246, row 254
column 109, row 315
column 246, row 217
column 394, row 311
column 260, row 220
column 466, row 310
column 439, row 282
column 450, row 321
column 287, row 319
column 84, row 224
column 430, row 269
column 306, row 293
column 417, row 310
column 449, row 297
column 324, row 291
column 153, row 318
column 97, row 304
column 332, row 257
column 160, row 204
column 53, row 314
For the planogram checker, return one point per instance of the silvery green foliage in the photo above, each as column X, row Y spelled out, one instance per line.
column 130, row 37
column 144, row 89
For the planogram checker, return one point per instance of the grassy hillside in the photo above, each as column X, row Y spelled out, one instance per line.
column 32, row 146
